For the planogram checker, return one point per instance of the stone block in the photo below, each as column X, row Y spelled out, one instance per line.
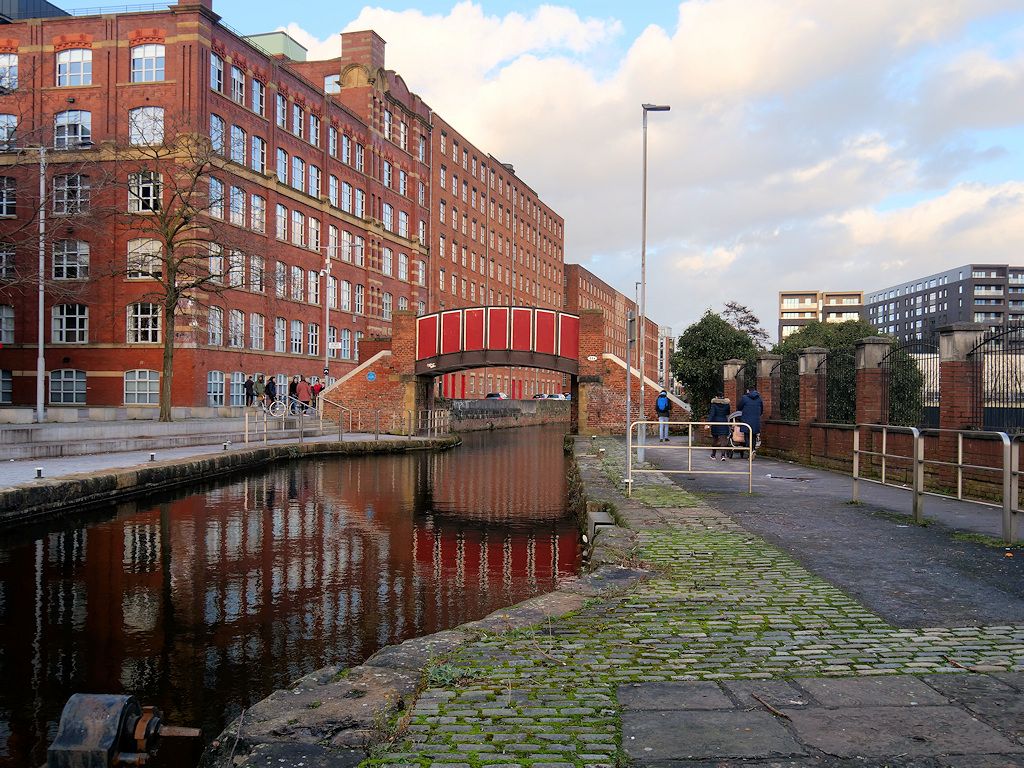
column 681, row 695
column 694, row 735
column 866, row 692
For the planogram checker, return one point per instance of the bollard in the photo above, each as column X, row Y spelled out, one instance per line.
column 152, row 456
column 39, row 472
column 225, row 446
column 376, row 425
column 247, row 427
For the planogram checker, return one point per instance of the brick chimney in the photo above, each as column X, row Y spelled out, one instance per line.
column 366, row 48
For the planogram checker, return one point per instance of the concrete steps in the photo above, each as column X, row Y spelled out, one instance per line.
column 32, row 441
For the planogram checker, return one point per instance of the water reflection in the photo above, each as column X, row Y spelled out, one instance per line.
column 204, row 603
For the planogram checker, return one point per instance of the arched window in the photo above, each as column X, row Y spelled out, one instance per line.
column 67, row 387
column 146, row 126
column 141, row 387
column 147, row 63
column 9, row 71
column 387, row 306
column 74, row 67
column 215, row 388
column 72, row 128
column 8, row 124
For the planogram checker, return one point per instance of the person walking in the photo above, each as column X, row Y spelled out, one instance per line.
column 664, row 408
column 270, row 391
column 250, row 392
column 259, row 389
column 751, row 407
column 317, row 389
column 293, row 394
column 719, row 412
column 303, row 392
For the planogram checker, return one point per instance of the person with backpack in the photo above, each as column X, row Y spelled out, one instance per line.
column 751, row 407
column 664, row 408
column 719, row 412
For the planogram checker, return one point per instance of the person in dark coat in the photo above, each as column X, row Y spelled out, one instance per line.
column 270, row 390
column 719, row 411
column 751, row 407
column 249, row 394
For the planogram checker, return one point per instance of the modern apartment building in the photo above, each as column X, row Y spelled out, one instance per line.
column 333, row 195
column 798, row 308
column 990, row 294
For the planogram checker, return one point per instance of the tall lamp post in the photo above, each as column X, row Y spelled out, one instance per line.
column 643, row 270
column 41, row 352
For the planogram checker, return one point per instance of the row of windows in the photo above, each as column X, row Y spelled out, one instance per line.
column 74, row 66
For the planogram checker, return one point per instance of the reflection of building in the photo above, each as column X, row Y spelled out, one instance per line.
column 990, row 294
column 799, row 308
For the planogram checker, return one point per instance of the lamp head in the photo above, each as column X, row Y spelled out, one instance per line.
column 656, row 107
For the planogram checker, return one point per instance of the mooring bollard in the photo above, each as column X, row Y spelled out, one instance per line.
column 39, row 472
column 225, row 445
column 152, row 456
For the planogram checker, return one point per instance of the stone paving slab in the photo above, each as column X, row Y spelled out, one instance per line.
column 689, row 734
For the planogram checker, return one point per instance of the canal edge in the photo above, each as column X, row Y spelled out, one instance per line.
column 42, row 501
column 337, row 715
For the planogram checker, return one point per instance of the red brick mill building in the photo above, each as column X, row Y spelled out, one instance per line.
column 336, row 184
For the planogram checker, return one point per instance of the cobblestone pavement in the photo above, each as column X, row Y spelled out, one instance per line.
column 721, row 604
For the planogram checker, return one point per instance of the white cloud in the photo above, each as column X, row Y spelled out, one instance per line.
column 794, row 123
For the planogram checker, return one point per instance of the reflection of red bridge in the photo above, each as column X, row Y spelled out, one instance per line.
column 395, row 375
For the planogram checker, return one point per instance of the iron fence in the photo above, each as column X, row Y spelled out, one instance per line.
column 746, row 377
column 785, row 378
column 910, row 385
column 997, row 376
column 837, row 387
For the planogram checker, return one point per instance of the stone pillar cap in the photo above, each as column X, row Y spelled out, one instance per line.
column 873, row 340
column 814, row 351
column 769, row 356
column 953, row 327
column 736, row 361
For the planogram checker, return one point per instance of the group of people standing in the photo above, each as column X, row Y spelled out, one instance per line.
column 264, row 391
column 748, row 412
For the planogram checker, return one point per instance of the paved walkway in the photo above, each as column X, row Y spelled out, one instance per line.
column 690, row 667
column 16, row 472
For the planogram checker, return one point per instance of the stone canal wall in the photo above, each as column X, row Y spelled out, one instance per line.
column 475, row 415
column 42, row 500
column 336, row 716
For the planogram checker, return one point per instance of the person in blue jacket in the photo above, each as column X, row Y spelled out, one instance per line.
column 751, row 407
column 719, row 411
column 663, row 406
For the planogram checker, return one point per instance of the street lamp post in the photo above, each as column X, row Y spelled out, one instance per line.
column 40, row 355
column 643, row 269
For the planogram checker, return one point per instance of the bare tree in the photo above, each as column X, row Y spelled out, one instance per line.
column 740, row 317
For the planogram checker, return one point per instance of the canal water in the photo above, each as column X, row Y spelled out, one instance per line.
column 206, row 600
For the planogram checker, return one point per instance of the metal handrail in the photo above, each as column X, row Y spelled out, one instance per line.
column 690, row 448
column 1010, row 469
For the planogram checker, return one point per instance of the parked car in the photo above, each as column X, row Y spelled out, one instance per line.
column 539, row 396
column 557, row 396
column 568, row 395
column 496, row 396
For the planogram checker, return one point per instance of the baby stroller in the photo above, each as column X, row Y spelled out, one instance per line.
column 738, row 436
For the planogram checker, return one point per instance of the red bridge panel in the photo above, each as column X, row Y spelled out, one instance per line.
column 545, row 332
column 569, row 336
column 451, row 332
column 426, row 337
column 497, row 328
column 522, row 336
column 474, row 329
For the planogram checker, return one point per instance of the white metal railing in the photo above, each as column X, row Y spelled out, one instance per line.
column 1010, row 472
column 642, row 444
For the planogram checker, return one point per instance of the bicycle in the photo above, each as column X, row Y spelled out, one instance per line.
column 276, row 408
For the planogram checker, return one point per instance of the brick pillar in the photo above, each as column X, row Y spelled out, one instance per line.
column 730, row 388
column 767, row 373
column 871, row 383
column 810, row 359
column 588, row 405
column 959, row 389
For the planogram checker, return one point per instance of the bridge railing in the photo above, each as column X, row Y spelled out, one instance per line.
column 637, row 441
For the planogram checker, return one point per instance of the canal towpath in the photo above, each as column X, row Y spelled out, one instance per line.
column 735, row 651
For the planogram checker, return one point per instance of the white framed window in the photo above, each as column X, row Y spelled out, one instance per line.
column 281, row 222
column 332, row 190
column 237, row 395
column 332, row 84
column 358, row 250
column 236, row 206
column 217, row 273
column 359, row 157
column 236, row 269
column 237, row 85
column 280, row 280
column 421, row 308
column 346, row 196
column 217, row 131
column 297, row 286
column 145, row 190
column 70, row 324
column 387, row 305
column 145, row 259
column 216, row 201
column 142, row 387
column 9, row 71
column 387, row 261
column 313, row 236
column 258, row 156
column 388, row 216
column 360, row 299
column 280, row 334
column 332, row 241
column 346, row 297
column 67, row 387
column 313, row 339
column 388, row 121
column 8, row 127
column 403, row 224
column 388, row 174
column 7, row 261
column 6, row 324
column 257, row 323
column 314, row 181
column 298, row 173
column 146, row 126
column 314, row 130
column 332, row 292
column 258, row 213
column 296, row 338
column 259, row 97
column 215, row 327
column 403, row 304
column 281, row 111
column 359, row 209
column 148, row 63
column 346, row 343
column 403, row 135
column 403, row 183
column 403, row 266
column 216, row 73
column 236, row 328
column 421, row 272
column 282, row 166
column 72, row 128
column 332, row 141
column 297, row 118
column 74, row 67
column 143, row 323
column 215, row 389
column 332, row 341
column 313, row 286
column 237, row 146
column 256, row 268
column 8, row 196
column 70, row 260
column 70, row 194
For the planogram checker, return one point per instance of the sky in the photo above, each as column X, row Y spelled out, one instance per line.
column 811, row 144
